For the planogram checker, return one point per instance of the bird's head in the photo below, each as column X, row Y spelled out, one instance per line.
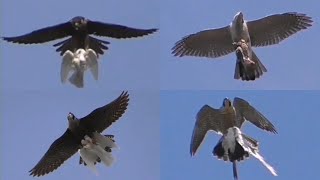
column 80, row 51
column 226, row 103
column 78, row 22
column 238, row 18
column 73, row 121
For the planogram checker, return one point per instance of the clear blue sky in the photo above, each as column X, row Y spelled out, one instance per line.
column 293, row 64
column 294, row 152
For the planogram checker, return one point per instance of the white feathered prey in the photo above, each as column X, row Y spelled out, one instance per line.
column 235, row 146
column 97, row 149
column 266, row 31
column 78, row 63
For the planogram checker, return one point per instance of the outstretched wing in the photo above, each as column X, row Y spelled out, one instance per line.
column 116, row 31
column 207, row 119
column 246, row 112
column 101, row 118
column 210, row 43
column 60, row 150
column 43, row 35
column 275, row 28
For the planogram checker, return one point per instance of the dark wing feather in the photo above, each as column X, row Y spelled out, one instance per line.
column 60, row 150
column 43, row 35
column 246, row 112
column 207, row 119
column 275, row 28
column 210, row 43
column 116, row 31
column 95, row 44
column 101, row 118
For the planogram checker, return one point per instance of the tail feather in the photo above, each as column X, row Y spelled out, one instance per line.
column 248, row 72
column 235, row 171
column 77, row 79
column 239, row 152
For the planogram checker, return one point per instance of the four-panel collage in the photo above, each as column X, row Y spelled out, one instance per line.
column 152, row 90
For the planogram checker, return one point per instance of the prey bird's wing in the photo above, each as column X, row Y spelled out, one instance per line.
column 60, row 150
column 101, row 118
column 246, row 112
column 210, row 43
column 116, row 31
column 66, row 65
column 207, row 119
column 43, row 35
column 275, row 28
column 93, row 63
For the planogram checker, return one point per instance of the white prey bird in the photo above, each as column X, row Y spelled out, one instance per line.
column 97, row 149
column 235, row 146
column 78, row 63
column 269, row 30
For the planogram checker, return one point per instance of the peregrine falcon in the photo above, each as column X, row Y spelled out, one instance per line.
column 269, row 30
column 233, row 146
column 84, row 135
column 78, row 62
column 79, row 28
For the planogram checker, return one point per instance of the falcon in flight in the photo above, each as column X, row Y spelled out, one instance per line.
column 83, row 135
column 213, row 43
column 78, row 62
column 227, row 120
column 80, row 29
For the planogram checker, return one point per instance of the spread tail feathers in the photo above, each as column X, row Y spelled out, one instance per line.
column 77, row 79
column 247, row 70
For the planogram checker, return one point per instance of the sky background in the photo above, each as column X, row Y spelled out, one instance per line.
column 293, row 152
column 293, row 64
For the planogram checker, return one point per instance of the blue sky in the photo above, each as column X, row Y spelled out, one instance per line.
column 293, row 64
column 293, row 151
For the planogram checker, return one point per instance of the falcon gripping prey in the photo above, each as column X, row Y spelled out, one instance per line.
column 83, row 135
column 80, row 29
column 233, row 146
column 213, row 43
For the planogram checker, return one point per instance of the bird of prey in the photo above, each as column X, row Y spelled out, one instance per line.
column 97, row 149
column 78, row 62
column 84, row 135
column 80, row 29
column 223, row 121
column 213, row 43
